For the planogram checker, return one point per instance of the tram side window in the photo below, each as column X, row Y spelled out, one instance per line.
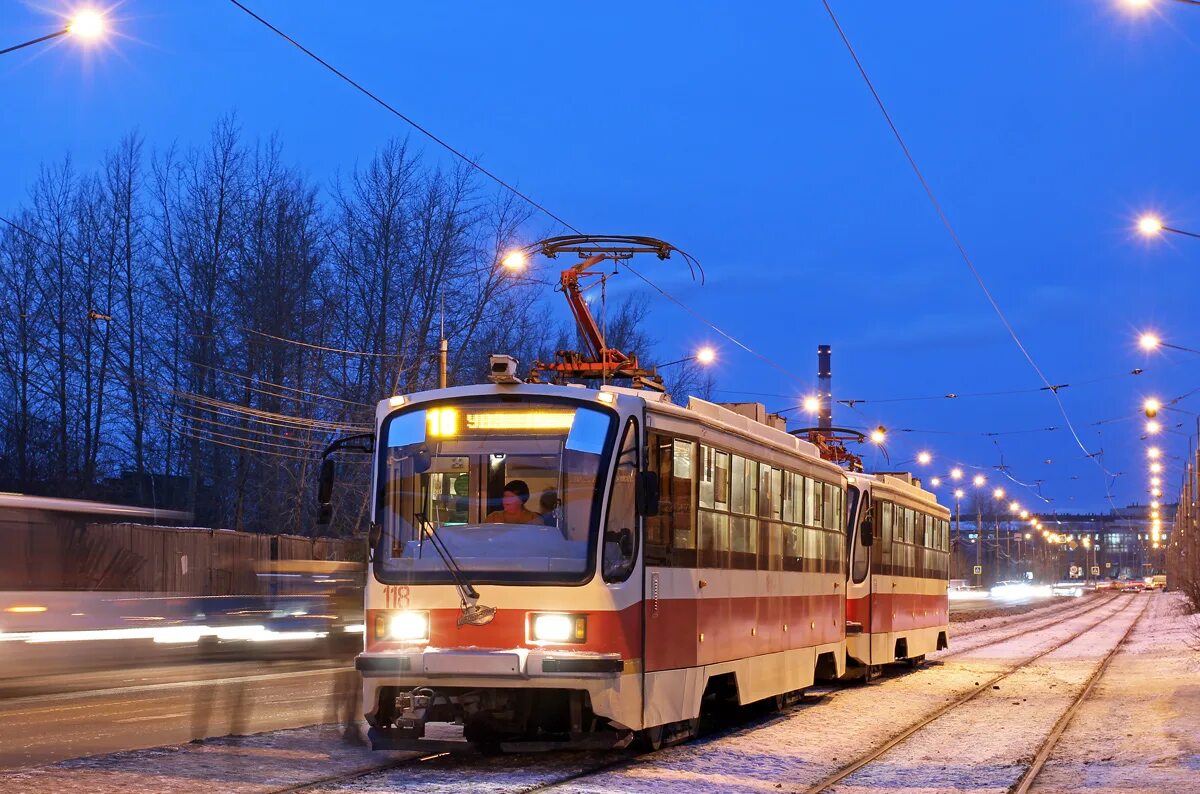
column 670, row 536
column 883, row 532
column 812, row 511
column 683, row 516
column 713, row 526
column 658, row 528
column 743, row 527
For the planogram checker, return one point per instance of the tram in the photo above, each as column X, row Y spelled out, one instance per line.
column 558, row 565
column 565, row 564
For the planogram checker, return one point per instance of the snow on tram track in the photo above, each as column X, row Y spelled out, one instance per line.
column 857, row 775
column 525, row 773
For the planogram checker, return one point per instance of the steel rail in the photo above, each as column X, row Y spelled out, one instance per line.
column 1023, row 785
column 986, row 686
column 1040, row 623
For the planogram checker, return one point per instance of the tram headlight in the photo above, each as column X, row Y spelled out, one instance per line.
column 407, row 626
column 557, row 627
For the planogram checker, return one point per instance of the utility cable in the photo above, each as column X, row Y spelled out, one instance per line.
column 962, row 248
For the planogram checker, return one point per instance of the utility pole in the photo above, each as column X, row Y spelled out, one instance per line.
column 958, row 529
column 443, row 346
column 979, row 539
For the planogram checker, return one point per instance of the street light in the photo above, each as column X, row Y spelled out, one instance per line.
column 1153, row 427
column 924, row 458
column 935, row 482
column 1151, row 225
column 1154, row 453
column 998, row 494
column 879, row 435
column 956, row 473
column 979, row 480
column 1151, row 406
column 515, row 260
column 705, row 356
column 1150, row 342
column 86, row 25
column 812, row 405
column 1156, row 468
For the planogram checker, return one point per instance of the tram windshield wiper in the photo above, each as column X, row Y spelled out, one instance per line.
column 473, row 613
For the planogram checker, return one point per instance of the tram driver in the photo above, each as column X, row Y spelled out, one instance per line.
column 516, row 494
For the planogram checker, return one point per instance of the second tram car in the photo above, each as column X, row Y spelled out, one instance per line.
column 556, row 565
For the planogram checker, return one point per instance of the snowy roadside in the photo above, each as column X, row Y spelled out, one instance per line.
column 255, row 764
column 1140, row 728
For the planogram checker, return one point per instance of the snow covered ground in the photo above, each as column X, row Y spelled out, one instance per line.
column 1139, row 730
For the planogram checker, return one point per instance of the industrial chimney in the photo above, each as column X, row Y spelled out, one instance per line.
column 825, row 387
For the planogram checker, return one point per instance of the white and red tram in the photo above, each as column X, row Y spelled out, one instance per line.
column 557, row 565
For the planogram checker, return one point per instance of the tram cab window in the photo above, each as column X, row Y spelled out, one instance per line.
column 511, row 493
column 620, row 536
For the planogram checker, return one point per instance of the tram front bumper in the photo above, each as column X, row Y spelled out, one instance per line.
column 512, row 663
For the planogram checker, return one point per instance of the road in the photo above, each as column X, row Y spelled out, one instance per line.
column 56, row 717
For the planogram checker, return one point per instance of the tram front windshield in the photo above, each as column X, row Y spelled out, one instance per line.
column 512, row 490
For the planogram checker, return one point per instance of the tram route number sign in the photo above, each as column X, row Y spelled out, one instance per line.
column 1095, row 570
column 979, row 570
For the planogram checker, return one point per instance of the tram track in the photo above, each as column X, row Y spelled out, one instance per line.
column 444, row 762
column 1044, row 621
column 1027, row 780
column 881, row 750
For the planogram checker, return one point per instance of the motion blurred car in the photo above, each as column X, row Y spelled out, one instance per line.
column 1073, row 589
column 1131, row 585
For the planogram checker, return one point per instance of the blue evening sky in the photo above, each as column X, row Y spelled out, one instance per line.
column 742, row 133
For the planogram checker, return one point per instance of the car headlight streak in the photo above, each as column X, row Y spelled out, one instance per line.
column 557, row 627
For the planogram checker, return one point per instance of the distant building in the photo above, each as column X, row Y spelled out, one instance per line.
column 1124, row 543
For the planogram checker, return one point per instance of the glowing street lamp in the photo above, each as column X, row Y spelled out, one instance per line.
column 515, row 260
column 959, row 493
column 1156, row 468
column 1014, row 507
column 924, row 458
column 1150, row 341
column 812, row 404
column 1024, row 515
column 86, row 25
column 1156, row 481
column 979, row 480
column 879, row 435
column 998, row 494
column 1153, row 427
column 935, row 482
column 1151, row 406
column 1151, row 225
column 704, row 356
column 1154, row 453
column 956, row 473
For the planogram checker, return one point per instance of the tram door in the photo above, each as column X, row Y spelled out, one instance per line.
column 862, row 534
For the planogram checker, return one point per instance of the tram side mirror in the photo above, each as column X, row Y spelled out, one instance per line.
column 325, row 491
column 422, row 461
column 373, row 536
column 623, row 538
column 866, row 532
column 647, row 494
